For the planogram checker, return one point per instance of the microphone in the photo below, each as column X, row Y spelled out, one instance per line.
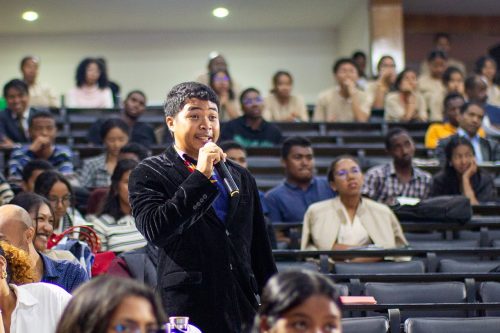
column 224, row 173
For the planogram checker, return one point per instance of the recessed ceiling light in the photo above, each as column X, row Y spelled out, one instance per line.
column 220, row 12
column 30, row 16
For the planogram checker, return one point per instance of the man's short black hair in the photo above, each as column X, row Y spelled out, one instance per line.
column 292, row 142
column 17, row 84
column 41, row 114
column 140, row 92
column 467, row 105
column 358, row 54
column 343, row 61
column 35, row 165
column 449, row 72
column 471, row 81
column 246, row 91
column 229, row 144
column 27, row 58
column 136, row 148
column 451, row 96
column 392, row 133
column 179, row 94
column 440, row 35
column 434, row 54
column 111, row 123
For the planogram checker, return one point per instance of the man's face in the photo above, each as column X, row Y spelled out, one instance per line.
column 479, row 92
column 452, row 111
column 17, row 100
column 299, row 164
column 443, row 44
column 402, row 149
column 30, row 70
column 217, row 64
column 471, row 119
column 134, row 106
column 238, row 156
column 45, row 127
column 195, row 125
column 346, row 71
column 15, row 232
column 437, row 67
column 253, row 105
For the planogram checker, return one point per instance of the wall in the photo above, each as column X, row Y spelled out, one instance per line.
column 156, row 61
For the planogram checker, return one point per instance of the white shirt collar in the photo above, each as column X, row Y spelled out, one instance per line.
column 23, row 297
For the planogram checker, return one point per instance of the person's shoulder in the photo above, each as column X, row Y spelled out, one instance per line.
column 322, row 206
column 95, row 159
column 275, row 192
column 392, row 95
column 326, row 93
column 377, row 170
column 420, row 173
column 375, row 206
column 44, row 291
column 63, row 149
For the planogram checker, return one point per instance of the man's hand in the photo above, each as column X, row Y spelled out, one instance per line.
column 350, row 87
column 471, row 170
column 209, row 155
column 40, row 144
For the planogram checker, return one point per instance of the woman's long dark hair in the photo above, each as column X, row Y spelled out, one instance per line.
column 81, row 72
column 284, row 291
column 276, row 77
column 94, row 303
column 112, row 204
column 231, row 89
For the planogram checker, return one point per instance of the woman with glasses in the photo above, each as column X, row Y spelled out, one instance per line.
column 349, row 220
column 58, row 191
column 281, row 105
column 110, row 304
column 221, row 83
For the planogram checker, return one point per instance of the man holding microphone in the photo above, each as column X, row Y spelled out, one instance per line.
column 214, row 253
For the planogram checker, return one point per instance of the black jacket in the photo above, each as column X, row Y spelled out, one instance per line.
column 490, row 149
column 10, row 128
column 207, row 270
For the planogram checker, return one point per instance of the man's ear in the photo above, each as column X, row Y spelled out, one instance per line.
column 170, row 121
column 332, row 185
column 30, row 234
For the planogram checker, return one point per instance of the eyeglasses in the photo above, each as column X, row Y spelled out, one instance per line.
column 221, row 79
column 66, row 200
column 256, row 100
column 134, row 328
column 343, row 173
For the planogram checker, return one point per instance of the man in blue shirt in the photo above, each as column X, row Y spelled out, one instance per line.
column 476, row 89
column 289, row 201
column 17, row 228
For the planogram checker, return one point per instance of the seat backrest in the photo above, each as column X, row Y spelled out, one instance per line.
column 424, row 236
column 455, row 325
column 380, row 267
column 365, row 325
column 432, row 292
column 490, row 292
column 284, row 266
column 454, row 266
column 444, row 244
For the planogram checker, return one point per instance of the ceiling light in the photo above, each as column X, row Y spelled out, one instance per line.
column 220, row 12
column 30, row 16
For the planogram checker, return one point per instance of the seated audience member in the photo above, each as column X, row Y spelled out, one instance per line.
column 470, row 120
column 442, row 42
column 96, row 171
column 406, row 104
column 115, row 87
column 399, row 178
column 115, row 224
column 6, row 193
column 43, row 132
column 14, row 119
column 56, row 188
column 288, row 201
column 216, row 62
column 359, row 58
column 461, row 175
column 134, row 151
column 476, row 90
column 31, row 171
column 92, row 90
column 431, row 83
column 221, row 83
column 486, row 67
column 453, row 81
column 134, row 107
column 344, row 102
column 251, row 130
column 17, row 228
column 383, row 84
column 27, row 306
column 298, row 301
column 42, row 216
column 453, row 102
column 112, row 304
column 349, row 220
column 40, row 94
column 140, row 264
column 281, row 105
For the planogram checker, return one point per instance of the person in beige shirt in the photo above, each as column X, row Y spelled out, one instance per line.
column 344, row 102
column 486, row 66
column 221, row 83
column 40, row 94
column 453, row 80
column 431, row 83
column 442, row 41
column 281, row 105
column 406, row 104
column 349, row 220
column 378, row 89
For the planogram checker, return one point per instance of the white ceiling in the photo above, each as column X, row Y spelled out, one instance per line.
column 77, row 16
